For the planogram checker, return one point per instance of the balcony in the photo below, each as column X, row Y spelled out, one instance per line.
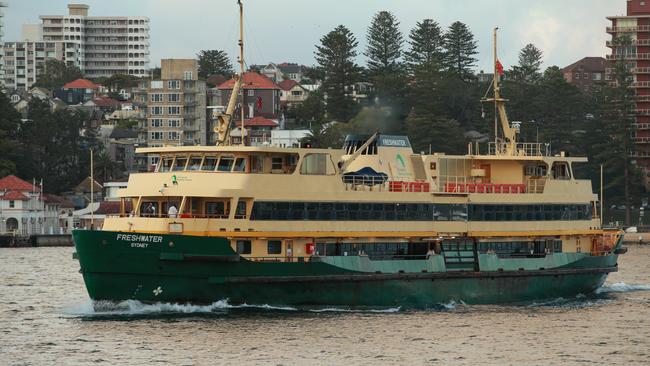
column 640, row 84
column 635, row 42
column 641, row 126
column 642, row 112
column 631, row 56
column 641, row 140
column 642, row 98
column 639, row 154
column 638, row 28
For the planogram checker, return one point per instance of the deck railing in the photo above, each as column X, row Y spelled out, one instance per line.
column 523, row 148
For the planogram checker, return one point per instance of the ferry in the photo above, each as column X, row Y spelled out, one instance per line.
column 371, row 224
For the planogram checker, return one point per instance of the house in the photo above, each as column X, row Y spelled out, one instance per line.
column 258, row 131
column 292, row 71
column 261, row 96
column 80, row 195
column 292, row 93
column 103, row 103
column 586, row 73
column 77, row 92
column 24, row 210
column 360, row 91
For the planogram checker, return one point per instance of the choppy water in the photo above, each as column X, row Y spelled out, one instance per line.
column 46, row 319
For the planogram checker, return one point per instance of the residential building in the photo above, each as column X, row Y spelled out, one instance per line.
column 175, row 105
column 292, row 93
column 261, row 96
column 281, row 72
column 2, row 33
column 100, row 45
column 24, row 210
column 77, row 91
column 360, row 91
column 258, row 131
column 25, row 61
column 636, row 24
column 586, row 74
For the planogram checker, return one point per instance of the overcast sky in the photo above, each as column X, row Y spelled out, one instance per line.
column 287, row 30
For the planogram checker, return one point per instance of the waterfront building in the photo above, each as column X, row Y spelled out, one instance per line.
column 586, row 74
column 635, row 24
column 100, row 45
column 258, row 131
column 24, row 210
column 175, row 105
column 77, row 91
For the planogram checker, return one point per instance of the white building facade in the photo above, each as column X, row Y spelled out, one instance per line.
column 100, row 46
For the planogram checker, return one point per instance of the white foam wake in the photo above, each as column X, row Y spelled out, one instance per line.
column 622, row 287
column 134, row 307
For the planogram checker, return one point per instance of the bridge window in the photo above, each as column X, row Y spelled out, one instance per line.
column 316, row 164
column 166, row 164
column 209, row 163
column 195, row 163
column 561, row 170
column 240, row 165
column 179, row 164
column 225, row 163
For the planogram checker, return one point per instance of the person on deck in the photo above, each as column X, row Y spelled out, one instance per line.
column 172, row 212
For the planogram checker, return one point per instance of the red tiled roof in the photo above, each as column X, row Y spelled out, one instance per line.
column 11, row 182
column 14, row 196
column 106, row 102
column 252, row 80
column 80, row 84
column 287, row 84
column 258, row 121
column 596, row 64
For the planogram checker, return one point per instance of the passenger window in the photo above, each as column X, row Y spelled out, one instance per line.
column 216, row 209
column 179, row 164
column 195, row 163
column 316, row 164
column 274, row 247
column 209, row 163
column 240, row 213
column 225, row 163
column 257, row 164
column 243, row 246
column 240, row 165
column 166, row 164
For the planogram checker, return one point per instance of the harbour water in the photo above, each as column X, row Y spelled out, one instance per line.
column 47, row 319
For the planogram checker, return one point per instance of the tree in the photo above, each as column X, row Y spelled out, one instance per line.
column 52, row 146
column 335, row 57
column 56, row 74
column 530, row 61
column 618, row 126
column 460, row 48
column 213, row 62
column 384, row 53
column 9, row 123
column 427, row 46
column 311, row 109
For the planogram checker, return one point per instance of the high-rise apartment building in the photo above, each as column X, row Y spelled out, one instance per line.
column 2, row 5
column 636, row 25
column 175, row 105
column 100, row 46
column 24, row 61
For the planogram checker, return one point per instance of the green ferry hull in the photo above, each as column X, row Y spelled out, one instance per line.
column 178, row 268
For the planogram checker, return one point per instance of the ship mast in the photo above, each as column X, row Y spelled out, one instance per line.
column 224, row 120
column 508, row 146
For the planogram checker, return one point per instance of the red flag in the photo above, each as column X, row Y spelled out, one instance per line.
column 499, row 68
column 259, row 104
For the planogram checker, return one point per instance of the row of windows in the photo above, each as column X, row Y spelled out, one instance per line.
column 522, row 247
column 348, row 211
column 548, row 212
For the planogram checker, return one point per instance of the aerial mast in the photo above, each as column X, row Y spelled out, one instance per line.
column 224, row 120
column 509, row 144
